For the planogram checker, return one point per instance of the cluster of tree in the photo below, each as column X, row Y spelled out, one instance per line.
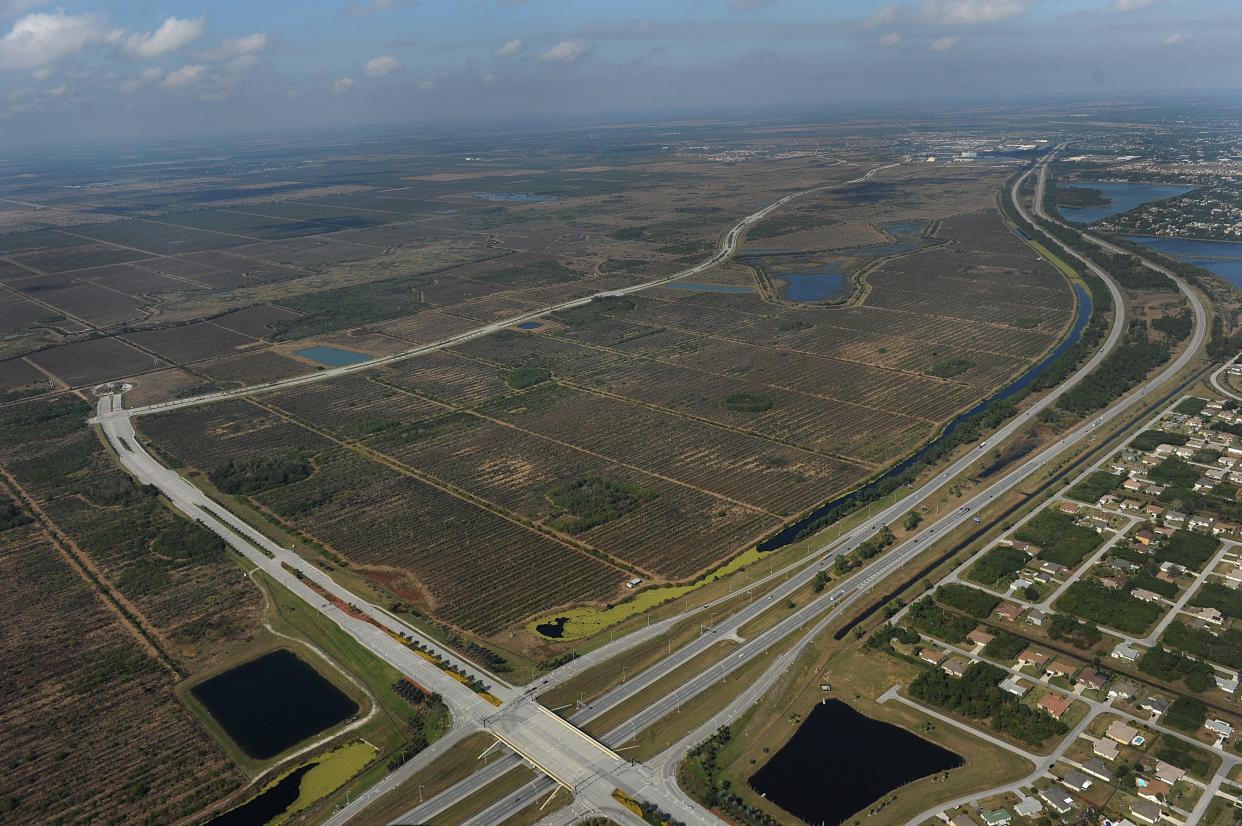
column 186, row 540
column 1172, row 666
column 43, row 420
column 245, row 477
column 1177, row 326
column 1096, row 485
column 1081, row 635
column 1131, row 273
column 882, row 638
column 1224, row 648
column 1190, row 406
column 1186, row 713
column 1058, row 538
column 519, row 378
column 912, row 520
column 1129, row 362
column 931, row 619
column 1151, row 439
column 998, row 565
column 1214, row 595
column 427, row 720
column 716, row 791
column 1221, row 501
column 1093, row 601
column 966, row 599
column 1222, row 347
column 1188, row 549
column 589, row 501
column 1173, row 471
column 1005, row 646
column 1145, row 580
column 1177, row 753
column 11, row 515
column 820, row 582
column 975, row 695
column 1073, row 196
column 481, row 654
column 867, row 550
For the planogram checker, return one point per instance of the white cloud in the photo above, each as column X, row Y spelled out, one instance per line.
column 250, row 44
column 488, row 77
column 343, row 85
column 969, row 12
column 43, row 39
column 187, row 77
column 567, row 51
column 943, row 44
column 1176, row 39
column 381, row 66
column 890, row 40
column 173, row 34
column 510, row 48
column 1124, row 6
column 372, row 7
column 749, row 5
column 883, row 16
column 426, row 85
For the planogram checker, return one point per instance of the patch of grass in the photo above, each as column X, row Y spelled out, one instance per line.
column 332, row 771
column 748, row 402
column 587, row 621
column 519, row 378
column 950, row 367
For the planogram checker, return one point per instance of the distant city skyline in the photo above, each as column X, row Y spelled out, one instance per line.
column 80, row 70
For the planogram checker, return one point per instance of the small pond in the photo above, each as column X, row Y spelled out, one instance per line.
column 813, row 286
column 270, row 703
column 553, row 630
column 1221, row 257
column 840, row 761
column 268, row 805
column 530, row 325
column 332, row 356
column 1122, row 196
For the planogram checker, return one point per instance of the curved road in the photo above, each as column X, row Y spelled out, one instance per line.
column 728, row 246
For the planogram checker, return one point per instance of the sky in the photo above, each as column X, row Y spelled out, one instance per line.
column 76, row 71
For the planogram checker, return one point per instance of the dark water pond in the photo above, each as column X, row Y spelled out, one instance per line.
column 266, row 806
column 840, row 761
column 530, row 325
column 553, row 630
column 1221, row 257
column 273, row 702
column 813, row 286
column 1122, row 196
column 332, row 356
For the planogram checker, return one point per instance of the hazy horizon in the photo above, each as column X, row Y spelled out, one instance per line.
column 105, row 70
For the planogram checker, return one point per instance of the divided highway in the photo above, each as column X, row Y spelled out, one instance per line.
column 828, row 608
column 586, row 767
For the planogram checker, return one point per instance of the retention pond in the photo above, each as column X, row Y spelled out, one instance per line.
column 840, row 761
column 270, row 703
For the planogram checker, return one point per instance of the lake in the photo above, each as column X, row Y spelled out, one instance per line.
column 1221, row 257
column 332, row 356
column 1123, row 197
column 840, row 761
column 270, row 703
column 813, row 286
